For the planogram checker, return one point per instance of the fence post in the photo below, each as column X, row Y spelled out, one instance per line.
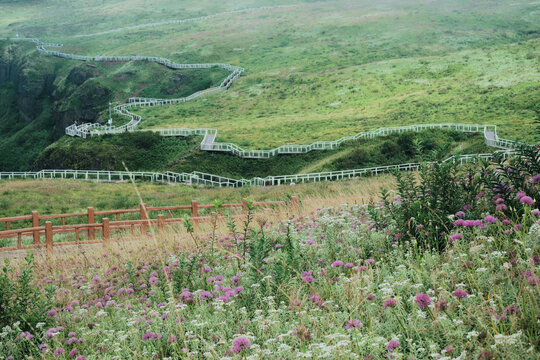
column 194, row 215
column 91, row 233
column 294, row 204
column 35, row 223
column 244, row 206
column 49, row 238
column 106, row 233
column 161, row 223
column 144, row 216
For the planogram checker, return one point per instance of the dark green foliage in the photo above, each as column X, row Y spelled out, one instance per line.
column 182, row 277
column 513, row 175
column 138, row 150
column 21, row 300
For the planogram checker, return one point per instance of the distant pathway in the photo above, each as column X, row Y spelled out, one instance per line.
column 208, row 143
column 181, row 21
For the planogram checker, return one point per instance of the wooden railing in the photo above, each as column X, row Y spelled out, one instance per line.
column 106, row 225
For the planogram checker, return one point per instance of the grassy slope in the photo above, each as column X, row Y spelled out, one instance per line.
column 328, row 69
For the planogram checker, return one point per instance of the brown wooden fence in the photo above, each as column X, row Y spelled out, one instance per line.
column 91, row 226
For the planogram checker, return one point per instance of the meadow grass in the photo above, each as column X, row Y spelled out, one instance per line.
column 57, row 196
column 334, row 283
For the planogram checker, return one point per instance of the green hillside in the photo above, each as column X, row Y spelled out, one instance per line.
column 314, row 70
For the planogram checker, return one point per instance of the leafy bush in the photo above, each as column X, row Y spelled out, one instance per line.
column 20, row 300
column 426, row 210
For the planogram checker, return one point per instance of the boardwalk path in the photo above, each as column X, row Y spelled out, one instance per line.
column 209, row 135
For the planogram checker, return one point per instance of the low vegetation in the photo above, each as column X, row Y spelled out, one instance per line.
column 361, row 65
column 352, row 281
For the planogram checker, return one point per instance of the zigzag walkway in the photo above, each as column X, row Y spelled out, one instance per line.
column 208, row 143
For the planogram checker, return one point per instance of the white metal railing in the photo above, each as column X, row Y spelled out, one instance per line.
column 122, row 109
column 208, row 143
column 200, row 178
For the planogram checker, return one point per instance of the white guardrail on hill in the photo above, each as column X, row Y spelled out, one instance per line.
column 208, row 143
column 199, row 178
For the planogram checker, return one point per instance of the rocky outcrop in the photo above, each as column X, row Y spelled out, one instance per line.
column 30, row 86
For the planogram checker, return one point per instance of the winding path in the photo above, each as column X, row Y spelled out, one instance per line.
column 209, row 135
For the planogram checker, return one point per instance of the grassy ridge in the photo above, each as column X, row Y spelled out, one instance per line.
column 491, row 86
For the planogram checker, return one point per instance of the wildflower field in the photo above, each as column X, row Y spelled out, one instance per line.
column 445, row 267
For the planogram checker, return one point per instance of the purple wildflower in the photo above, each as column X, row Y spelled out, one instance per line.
column 526, row 200
column 422, row 300
column 302, row 333
column 58, row 352
column 353, row 324
column 307, row 277
column 460, row 214
column 490, row 219
column 454, row 237
column 205, row 295
column 392, row 345
column 151, row 336
column 460, row 294
column 240, row 344
column 390, row 303
column 337, row 263
column 441, row 305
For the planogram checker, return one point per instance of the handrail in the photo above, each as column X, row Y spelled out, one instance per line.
column 200, row 178
column 106, row 226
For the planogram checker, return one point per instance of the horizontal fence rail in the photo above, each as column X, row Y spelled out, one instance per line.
column 200, row 178
column 90, row 226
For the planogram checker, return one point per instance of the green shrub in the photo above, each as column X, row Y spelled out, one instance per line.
column 20, row 300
